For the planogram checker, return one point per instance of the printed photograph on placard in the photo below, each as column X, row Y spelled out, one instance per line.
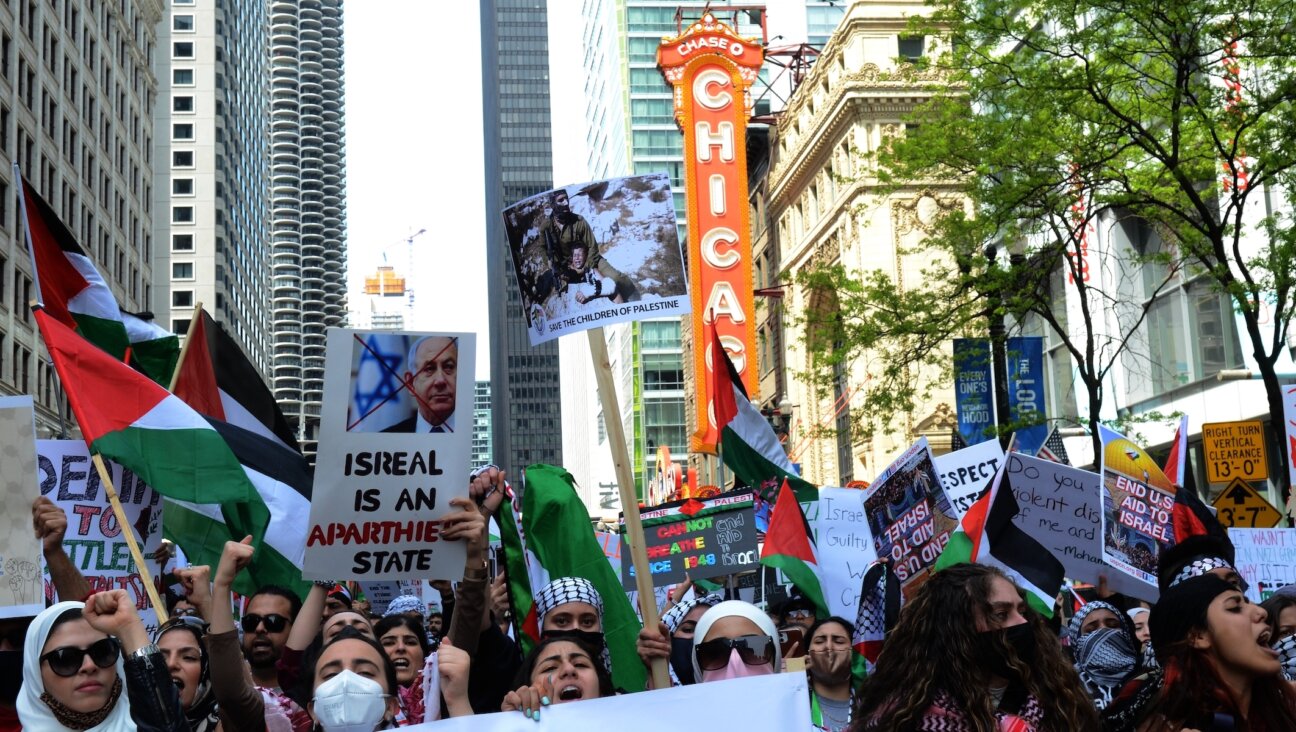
column 404, row 383
column 1137, row 503
column 597, row 253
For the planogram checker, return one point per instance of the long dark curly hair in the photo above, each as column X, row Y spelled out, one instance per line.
column 1192, row 693
column 934, row 647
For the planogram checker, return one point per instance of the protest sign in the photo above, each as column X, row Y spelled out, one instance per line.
column 910, row 515
column 966, row 473
column 1060, row 507
column 384, row 481
column 598, row 253
column 380, row 594
column 845, row 547
column 94, row 540
column 1264, row 559
column 770, row 703
column 21, row 593
column 1137, row 501
column 716, row 539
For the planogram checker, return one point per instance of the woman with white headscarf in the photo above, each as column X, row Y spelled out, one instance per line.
column 732, row 640
column 90, row 667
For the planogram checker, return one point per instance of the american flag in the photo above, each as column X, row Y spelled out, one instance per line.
column 1054, row 449
column 957, row 441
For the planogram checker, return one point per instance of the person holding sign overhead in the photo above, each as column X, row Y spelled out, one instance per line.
column 433, row 367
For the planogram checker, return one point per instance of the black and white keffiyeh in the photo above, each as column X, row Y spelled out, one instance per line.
column 1077, row 620
column 564, row 590
column 1105, row 658
column 673, row 617
column 1286, row 648
column 1198, row 567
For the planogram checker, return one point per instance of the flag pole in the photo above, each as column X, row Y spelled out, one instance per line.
column 184, row 349
column 129, row 532
column 634, row 535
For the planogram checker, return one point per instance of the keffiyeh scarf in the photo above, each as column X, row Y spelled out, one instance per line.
column 564, row 590
column 944, row 715
column 1104, row 659
column 1077, row 620
column 673, row 617
column 405, row 604
column 1286, row 648
column 1198, row 567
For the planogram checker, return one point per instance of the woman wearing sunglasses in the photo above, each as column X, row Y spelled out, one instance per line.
column 732, row 640
column 89, row 667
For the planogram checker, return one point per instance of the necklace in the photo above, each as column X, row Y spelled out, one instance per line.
column 817, row 714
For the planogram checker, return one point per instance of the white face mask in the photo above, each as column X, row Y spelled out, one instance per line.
column 349, row 702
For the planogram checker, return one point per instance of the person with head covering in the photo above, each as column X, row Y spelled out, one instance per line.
column 571, row 607
column 1147, row 656
column 90, row 667
column 1218, row 671
column 968, row 654
column 677, row 625
column 557, row 671
column 828, row 662
column 735, row 639
column 336, row 599
column 1105, row 650
column 406, row 605
column 1281, row 608
column 1197, row 555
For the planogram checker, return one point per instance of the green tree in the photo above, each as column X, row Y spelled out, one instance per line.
column 1177, row 114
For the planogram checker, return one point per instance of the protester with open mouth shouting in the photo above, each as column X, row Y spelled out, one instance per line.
column 559, row 670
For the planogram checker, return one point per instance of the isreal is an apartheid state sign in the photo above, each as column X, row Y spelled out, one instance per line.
column 393, row 450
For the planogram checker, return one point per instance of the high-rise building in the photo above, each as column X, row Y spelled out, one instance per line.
column 307, row 209
column 211, row 181
column 76, row 113
column 481, row 434
column 526, row 415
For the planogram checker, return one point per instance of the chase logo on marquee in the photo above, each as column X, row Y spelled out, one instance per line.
column 712, row 69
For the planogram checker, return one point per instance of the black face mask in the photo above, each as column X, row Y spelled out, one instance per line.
column 681, row 659
column 11, row 668
column 593, row 640
column 1020, row 637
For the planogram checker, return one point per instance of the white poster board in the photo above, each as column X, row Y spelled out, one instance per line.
column 1061, row 508
column 384, row 480
column 21, row 593
column 772, row 703
column 94, row 540
column 1266, row 558
column 845, row 546
column 597, row 253
column 966, row 473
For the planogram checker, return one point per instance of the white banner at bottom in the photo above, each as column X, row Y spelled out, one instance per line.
column 775, row 703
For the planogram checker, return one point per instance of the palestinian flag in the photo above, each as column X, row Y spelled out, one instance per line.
column 748, row 444
column 879, row 609
column 134, row 422
column 790, row 547
column 987, row 535
column 218, row 380
column 72, row 291
column 553, row 538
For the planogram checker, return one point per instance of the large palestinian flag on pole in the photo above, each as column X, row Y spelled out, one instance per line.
column 136, row 423
column 72, row 291
column 790, row 547
column 553, row 538
column 987, row 535
column 748, row 444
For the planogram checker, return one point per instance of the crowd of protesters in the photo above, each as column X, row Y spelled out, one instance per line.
column 966, row 653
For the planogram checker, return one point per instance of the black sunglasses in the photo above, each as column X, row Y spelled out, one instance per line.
column 274, row 623
column 754, row 650
column 66, row 661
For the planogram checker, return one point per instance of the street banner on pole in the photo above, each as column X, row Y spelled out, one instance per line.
column 595, row 254
column 974, row 389
column 1026, row 390
column 20, row 551
column 384, row 478
column 1137, row 501
column 910, row 515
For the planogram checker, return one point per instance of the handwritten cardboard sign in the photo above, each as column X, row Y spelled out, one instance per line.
column 966, row 473
column 703, row 545
column 1264, row 559
column 845, row 546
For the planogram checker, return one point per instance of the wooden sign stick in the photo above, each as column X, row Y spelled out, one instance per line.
column 634, row 535
column 129, row 532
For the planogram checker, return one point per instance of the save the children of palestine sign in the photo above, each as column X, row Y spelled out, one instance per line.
column 698, row 538
column 393, row 451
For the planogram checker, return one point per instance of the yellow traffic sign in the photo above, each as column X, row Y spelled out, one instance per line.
column 1235, row 450
column 1241, row 505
